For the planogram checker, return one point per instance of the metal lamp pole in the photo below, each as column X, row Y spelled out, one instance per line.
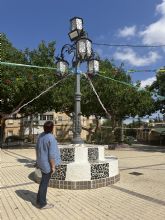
column 77, row 112
column 82, row 48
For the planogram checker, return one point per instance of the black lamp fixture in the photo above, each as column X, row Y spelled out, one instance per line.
column 93, row 64
column 62, row 67
column 82, row 50
column 76, row 28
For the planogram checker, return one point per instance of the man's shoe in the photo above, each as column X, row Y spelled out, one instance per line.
column 38, row 205
column 48, row 206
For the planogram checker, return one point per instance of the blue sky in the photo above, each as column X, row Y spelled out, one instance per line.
column 26, row 23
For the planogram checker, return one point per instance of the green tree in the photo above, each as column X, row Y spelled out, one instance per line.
column 158, row 87
column 20, row 84
column 120, row 100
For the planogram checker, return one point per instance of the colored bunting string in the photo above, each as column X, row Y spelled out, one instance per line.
column 128, row 45
column 71, row 71
column 115, row 80
column 43, row 92
column 161, row 98
column 138, row 71
column 54, row 68
column 25, row 65
column 94, row 90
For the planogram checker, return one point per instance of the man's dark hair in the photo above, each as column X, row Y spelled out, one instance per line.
column 48, row 126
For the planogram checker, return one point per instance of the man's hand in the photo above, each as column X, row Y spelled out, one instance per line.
column 36, row 165
column 52, row 171
column 52, row 165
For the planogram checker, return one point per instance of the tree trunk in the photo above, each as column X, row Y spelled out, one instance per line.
column 113, row 119
column 114, row 124
column 2, row 131
column 97, row 123
column 30, row 136
column 90, row 132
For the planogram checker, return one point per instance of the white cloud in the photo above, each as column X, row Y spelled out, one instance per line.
column 147, row 82
column 155, row 32
column 161, row 8
column 131, row 57
column 127, row 31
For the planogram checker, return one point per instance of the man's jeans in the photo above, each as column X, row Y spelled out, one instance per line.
column 41, row 196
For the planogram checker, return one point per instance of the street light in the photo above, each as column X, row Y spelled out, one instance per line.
column 93, row 64
column 82, row 49
column 76, row 28
column 62, row 67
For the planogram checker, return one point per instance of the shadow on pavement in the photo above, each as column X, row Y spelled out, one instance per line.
column 23, row 160
column 28, row 163
column 139, row 195
column 27, row 195
column 31, row 176
column 148, row 148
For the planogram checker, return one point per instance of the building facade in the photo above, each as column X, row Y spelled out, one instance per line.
column 31, row 126
column 154, row 134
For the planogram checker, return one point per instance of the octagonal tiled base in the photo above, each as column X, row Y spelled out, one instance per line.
column 83, row 167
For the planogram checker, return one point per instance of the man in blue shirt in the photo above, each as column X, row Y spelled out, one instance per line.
column 48, row 156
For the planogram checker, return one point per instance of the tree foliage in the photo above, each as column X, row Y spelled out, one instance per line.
column 158, row 87
column 20, row 85
column 119, row 99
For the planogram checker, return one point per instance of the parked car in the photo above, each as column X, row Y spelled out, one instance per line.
column 13, row 139
column 129, row 140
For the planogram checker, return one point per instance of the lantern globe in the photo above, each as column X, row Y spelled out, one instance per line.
column 84, row 48
column 62, row 67
column 93, row 66
column 76, row 28
column 76, row 23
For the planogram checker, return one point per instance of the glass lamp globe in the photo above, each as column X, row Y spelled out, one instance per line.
column 62, row 67
column 76, row 28
column 84, row 48
column 76, row 23
column 93, row 66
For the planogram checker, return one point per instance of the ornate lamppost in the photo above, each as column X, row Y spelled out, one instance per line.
column 84, row 167
column 82, row 50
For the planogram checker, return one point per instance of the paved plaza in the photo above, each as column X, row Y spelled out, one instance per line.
column 140, row 194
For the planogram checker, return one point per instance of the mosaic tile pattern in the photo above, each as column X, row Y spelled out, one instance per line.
column 67, row 154
column 60, row 173
column 93, row 154
column 99, row 171
column 76, row 185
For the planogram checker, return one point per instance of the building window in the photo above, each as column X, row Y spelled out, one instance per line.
column 10, row 133
column 46, row 117
column 10, row 121
column 59, row 118
column 50, row 117
column 70, row 133
column 59, row 132
column 43, row 117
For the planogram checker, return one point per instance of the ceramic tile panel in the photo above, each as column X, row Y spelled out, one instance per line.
column 99, row 171
column 67, row 154
column 60, row 173
column 93, row 154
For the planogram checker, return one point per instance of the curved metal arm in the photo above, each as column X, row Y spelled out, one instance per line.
column 67, row 48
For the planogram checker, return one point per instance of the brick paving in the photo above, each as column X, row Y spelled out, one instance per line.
column 135, row 197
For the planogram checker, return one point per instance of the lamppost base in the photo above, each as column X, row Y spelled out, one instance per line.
column 83, row 167
column 77, row 140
